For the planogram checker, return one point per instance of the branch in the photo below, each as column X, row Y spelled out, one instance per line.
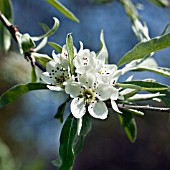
column 146, row 107
column 13, row 30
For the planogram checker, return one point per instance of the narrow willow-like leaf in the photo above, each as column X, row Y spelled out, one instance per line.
column 67, row 137
column 127, row 93
column 63, row 10
column 18, row 90
column 144, row 96
column 140, row 30
column 160, row 3
column 44, row 40
column 42, row 44
column 143, row 49
column 79, row 141
column 103, row 53
column 134, row 111
column 144, row 85
column 56, row 46
column 166, row 98
column 50, row 32
column 44, row 27
column 159, row 70
column 60, row 112
column 70, row 49
column 33, row 75
column 129, row 124
column 165, row 29
column 43, row 59
column 5, row 37
column 130, row 9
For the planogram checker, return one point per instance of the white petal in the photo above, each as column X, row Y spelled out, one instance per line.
column 116, row 75
column 55, row 88
column 46, row 78
column 50, row 65
column 83, row 69
column 104, row 91
column 115, row 94
column 56, row 56
column 78, row 108
column 79, row 125
column 81, row 45
column 74, row 89
column 87, row 79
column 110, row 68
column 98, row 110
column 114, row 106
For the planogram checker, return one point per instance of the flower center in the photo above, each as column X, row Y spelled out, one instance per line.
column 88, row 96
column 60, row 79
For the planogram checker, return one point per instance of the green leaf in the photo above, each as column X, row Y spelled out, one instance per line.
column 144, row 96
column 5, row 37
column 70, row 49
column 165, row 29
column 44, row 27
column 159, row 70
column 144, row 85
column 166, row 98
column 43, row 59
column 50, row 32
column 134, row 111
column 129, row 124
column 41, row 44
column 140, row 29
column 18, row 90
column 160, row 3
column 33, row 75
column 56, row 46
column 67, row 137
column 44, row 40
column 143, row 49
column 60, row 112
column 63, row 10
column 79, row 141
column 26, row 43
column 127, row 93
column 130, row 9
column 103, row 53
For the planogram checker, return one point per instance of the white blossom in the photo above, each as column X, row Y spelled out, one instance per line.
column 89, row 95
column 55, row 76
column 86, row 60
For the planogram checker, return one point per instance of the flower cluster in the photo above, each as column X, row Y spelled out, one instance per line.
column 91, row 85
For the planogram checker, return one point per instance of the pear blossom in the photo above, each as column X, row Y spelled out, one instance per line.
column 109, row 73
column 55, row 76
column 58, row 70
column 89, row 95
column 63, row 57
column 86, row 60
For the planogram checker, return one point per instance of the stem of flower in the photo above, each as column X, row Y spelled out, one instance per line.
column 13, row 30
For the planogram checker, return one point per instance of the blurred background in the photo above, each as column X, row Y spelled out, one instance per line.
column 28, row 131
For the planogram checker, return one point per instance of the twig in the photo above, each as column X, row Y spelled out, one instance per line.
column 13, row 30
column 146, row 107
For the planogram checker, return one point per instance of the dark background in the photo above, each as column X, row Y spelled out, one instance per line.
column 27, row 127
